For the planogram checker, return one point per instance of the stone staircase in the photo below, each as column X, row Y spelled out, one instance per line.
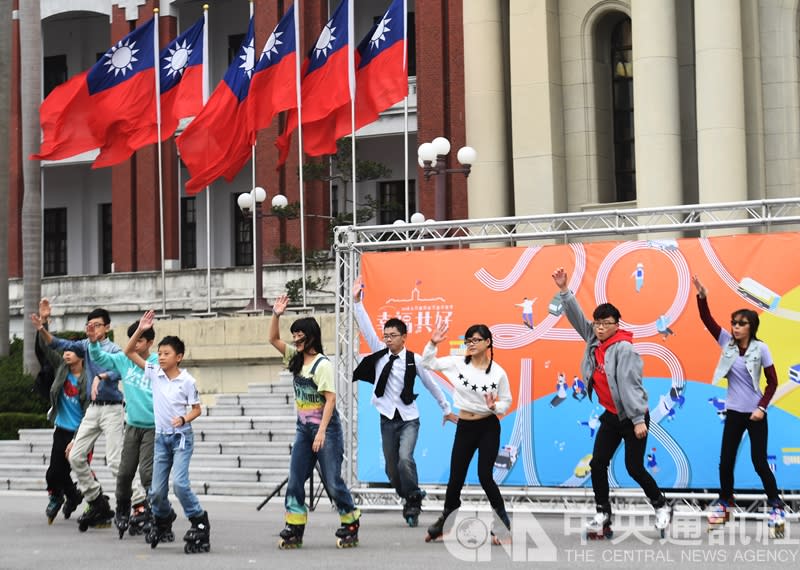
column 242, row 446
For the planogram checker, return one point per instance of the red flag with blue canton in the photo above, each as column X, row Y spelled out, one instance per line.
column 181, row 86
column 326, row 75
column 381, row 81
column 107, row 103
column 218, row 141
column 273, row 88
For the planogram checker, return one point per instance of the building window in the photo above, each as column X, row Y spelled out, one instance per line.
column 234, row 43
column 411, row 44
column 106, row 257
column 55, row 241
column 392, row 201
column 242, row 236
column 622, row 86
column 188, row 233
column 55, row 72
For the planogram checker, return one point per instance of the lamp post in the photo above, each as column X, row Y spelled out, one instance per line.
column 431, row 157
column 251, row 202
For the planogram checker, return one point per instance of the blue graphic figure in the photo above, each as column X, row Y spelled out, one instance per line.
column 652, row 464
column 662, row 326
column 677, row 397
column 638, row 275
column 578, row 389
column 669, row 408
column 527, row 311
column 592, row 423
column 719, row 407
column 561, row 390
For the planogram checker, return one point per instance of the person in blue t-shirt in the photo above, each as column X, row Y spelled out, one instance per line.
column 68, row 401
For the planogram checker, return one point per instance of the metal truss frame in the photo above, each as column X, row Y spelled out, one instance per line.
column 690, row 220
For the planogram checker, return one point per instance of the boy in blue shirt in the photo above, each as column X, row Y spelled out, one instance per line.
column 137, row 447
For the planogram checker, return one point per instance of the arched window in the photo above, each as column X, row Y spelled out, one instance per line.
column 622, row 108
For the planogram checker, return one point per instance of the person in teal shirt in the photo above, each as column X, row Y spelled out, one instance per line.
column 137, row 447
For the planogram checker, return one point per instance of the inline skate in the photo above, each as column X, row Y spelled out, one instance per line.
column 663, row 518
column 777, row 520
column 413, row 507
column 53, row 506
column 291, row 536
column 436, row 530
column 141, row 519
column 719, row 513
column 161, row 530
column 98, row 514
column 73, row 499
column 501, row 533
column 599, row 527
column 347, row 534
column 122, row 517
column 198, row 537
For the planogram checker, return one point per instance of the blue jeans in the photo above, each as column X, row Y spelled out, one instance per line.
column 399, row 440
column 330, row 465
column 173, row 450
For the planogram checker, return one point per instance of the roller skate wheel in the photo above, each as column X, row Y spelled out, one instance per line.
column 412, row 521
column 50, row 520
column 83, row 527
column 663, row 532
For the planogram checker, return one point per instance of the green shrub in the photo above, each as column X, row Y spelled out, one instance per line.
column 12, row 422
column 15, row 385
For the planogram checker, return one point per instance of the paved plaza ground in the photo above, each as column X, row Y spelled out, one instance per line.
column 243, row 537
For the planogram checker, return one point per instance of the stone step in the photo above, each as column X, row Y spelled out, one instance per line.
column 253, row 399
column 276, row 471
column 283, row 430
column 250, row 410
column 283, row 386
column 208, row 423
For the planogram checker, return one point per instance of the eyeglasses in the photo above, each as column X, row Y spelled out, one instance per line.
column 91, row 326
column 603, row 324
column 735, row 323
column 391, row 336
column 473, row 340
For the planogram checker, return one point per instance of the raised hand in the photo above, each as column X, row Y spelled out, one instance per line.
column 45, row 310
column 147, row 320
column 358, row 288
column 440, row 332
column 37, row 321
column 280, row 304
column 701, row 289
column 560, row 278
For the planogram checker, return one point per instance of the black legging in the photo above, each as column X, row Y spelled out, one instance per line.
column 482, row 435
column 57, row 476
column 611, row 433
column 735, row 425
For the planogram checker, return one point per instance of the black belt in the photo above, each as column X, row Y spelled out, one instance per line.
column 106, row 402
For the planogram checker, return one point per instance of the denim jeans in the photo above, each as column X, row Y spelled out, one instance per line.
column 173, row 450
column 399, row 440
column 330, row 466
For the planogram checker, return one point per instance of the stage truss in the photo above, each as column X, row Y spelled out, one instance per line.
column 649, row 223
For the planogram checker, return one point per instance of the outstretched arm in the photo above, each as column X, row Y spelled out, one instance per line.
column 572, row 308
column 278, row 308
column 705, row 312
column 362, row 318
column 145, row 323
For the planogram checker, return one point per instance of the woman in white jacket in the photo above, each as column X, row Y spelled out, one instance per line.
column 481, row 394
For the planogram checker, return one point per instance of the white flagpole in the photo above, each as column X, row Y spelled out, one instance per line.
column 405, row 108
column 298, row 61
column 157, row 74
column 351, row 79
column 254, row 208
column 206, row 90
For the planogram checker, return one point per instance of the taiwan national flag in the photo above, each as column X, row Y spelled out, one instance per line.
column 111, row 101
column 328, row 75
column 273, row 88
column 181, row 86
column 218, row 141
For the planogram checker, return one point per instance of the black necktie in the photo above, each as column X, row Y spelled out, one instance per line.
column 384, row 377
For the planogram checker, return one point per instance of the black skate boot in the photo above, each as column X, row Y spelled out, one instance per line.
column 73, row 499
column 198, row 537
column 122, row 517
column 161, row 530
column 413, row 508
column 501, row 533
column 347, row 534
column 291, row 536
column 436, row 530
column 98, row 514
column 600, row 526
column 141, row 519
column 53, row 506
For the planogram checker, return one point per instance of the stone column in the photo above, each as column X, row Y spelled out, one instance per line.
column 656, row 109
column 721, row 146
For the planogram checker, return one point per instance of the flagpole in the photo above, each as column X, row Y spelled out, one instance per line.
column 351, row 79
column 300, row 149
column 157, row 74
column 206, row 80
column 405, row 107
column 256, row 262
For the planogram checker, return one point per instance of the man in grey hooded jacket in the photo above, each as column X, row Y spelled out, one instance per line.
column 612, row 368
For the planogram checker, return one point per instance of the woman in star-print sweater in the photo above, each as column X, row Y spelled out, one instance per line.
column 481, row 394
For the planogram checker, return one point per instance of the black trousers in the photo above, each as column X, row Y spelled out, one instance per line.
column 735, row 425
column 483, row 436
column 611, row 433
column 57, row 476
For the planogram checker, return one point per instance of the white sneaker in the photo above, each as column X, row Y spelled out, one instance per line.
column 597, row 523
column 663, row 516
